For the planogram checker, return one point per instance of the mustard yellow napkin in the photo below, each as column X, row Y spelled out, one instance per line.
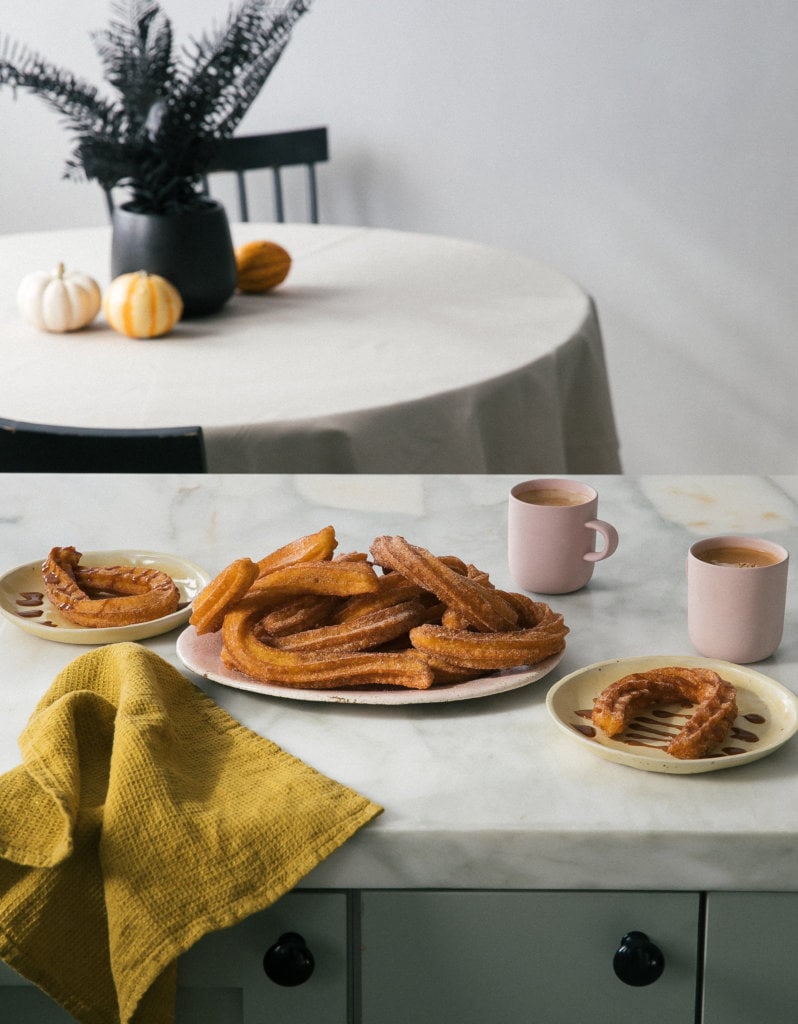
column 142, row 817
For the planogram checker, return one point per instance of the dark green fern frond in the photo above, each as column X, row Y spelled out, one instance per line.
column 227, row 70
column 136, row 53
column 78, row 101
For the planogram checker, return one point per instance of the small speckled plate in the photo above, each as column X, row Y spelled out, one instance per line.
column 202, row 655
column 40, row 617
column 768, row 716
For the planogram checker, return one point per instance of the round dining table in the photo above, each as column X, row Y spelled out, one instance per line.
column 382, row 351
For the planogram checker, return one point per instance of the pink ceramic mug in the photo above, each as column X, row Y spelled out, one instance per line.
column 736, row 597
column 551, row 535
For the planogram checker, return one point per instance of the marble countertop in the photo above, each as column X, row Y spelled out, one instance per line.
column 484, row 793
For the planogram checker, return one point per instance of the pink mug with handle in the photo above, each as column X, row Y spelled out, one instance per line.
column 551, row 535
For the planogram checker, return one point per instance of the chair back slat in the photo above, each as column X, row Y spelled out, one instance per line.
column 313, row 195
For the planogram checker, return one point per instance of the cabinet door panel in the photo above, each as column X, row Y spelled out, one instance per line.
column 23, row 1003
column 221, row 980
column 508, row 957
column 750, row 972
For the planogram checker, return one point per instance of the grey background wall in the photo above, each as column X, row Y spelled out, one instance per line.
column 647, row 150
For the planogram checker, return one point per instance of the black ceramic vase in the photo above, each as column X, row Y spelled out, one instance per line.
column 193, row 250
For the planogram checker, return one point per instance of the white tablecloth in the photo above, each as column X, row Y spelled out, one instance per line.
column 383, row 351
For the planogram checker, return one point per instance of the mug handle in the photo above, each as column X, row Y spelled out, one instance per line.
column 610, row 535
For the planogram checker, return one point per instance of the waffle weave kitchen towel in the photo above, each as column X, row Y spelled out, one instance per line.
column 142, row 817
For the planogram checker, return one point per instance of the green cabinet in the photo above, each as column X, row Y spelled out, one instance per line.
column 222, row 979
column 513, row 957
column 751, row 967
column 488, row 957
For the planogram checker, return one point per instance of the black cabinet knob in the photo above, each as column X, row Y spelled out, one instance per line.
column 289, row 961
column 638, row 961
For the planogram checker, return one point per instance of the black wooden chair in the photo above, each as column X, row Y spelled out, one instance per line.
column 36, row 448
column 302, row 147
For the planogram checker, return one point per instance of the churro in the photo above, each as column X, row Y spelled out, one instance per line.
column 80, row 593
column 542, row 635
column 228, row 587
column 314, row 547
column 332, row 670
column 716, row 710
column 481, row 607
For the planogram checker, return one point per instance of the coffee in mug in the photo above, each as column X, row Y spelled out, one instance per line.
column 551, row 535
column 740, row 557
column 552, row 496
column 736, row 597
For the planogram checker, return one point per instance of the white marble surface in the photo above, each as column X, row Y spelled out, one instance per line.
column 486, row 793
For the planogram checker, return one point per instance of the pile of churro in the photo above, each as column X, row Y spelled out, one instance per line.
column 396, row 615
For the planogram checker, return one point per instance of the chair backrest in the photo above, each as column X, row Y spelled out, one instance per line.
column 37, row 448
column 302, row 147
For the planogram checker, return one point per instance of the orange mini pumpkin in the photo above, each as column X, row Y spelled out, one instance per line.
column 261, row 265
column 142, row 305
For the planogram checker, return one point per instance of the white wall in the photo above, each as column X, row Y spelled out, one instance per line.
column 646, row 149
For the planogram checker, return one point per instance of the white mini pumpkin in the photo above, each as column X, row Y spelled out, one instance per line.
column 59, row 301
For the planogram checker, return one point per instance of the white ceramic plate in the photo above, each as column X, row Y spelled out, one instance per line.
column 202, row 655
column 51, row 625
column 768, row 715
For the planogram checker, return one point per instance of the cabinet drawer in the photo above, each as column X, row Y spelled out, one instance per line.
column 221, row 980
column 507, row 957
column 751, row 957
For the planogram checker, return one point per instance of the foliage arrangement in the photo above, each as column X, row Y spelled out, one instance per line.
column 158, row 135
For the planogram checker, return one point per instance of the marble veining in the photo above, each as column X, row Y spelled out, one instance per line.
column 721, row 505
column 484, row 793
